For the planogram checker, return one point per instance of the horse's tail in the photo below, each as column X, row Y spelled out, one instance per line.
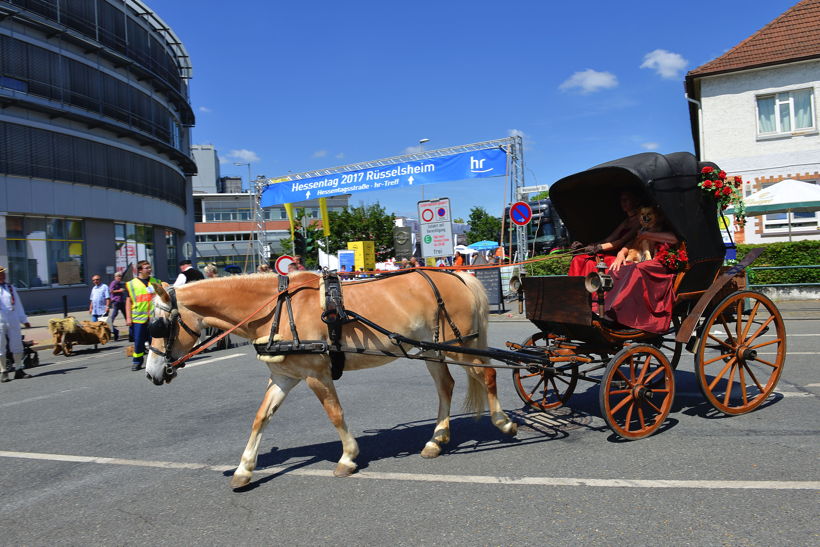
column 476, row 400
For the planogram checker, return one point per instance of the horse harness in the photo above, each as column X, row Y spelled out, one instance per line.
column 335, row 315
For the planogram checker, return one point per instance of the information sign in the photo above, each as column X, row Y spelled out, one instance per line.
column 436, row 228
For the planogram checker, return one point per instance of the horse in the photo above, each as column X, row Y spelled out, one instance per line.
column 407, row 304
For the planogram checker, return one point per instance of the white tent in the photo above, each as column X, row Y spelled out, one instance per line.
column 786, row 196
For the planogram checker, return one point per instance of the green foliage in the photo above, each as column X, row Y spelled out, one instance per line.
column 795, row 253
column 363, row 223
column 482, row 226
column 540, row 195
column 555, row 264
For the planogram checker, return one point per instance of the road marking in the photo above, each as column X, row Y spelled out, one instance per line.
column 781, row 393
column 39, row 397
column 409, row 477
column 812, row 385
column 213, row 360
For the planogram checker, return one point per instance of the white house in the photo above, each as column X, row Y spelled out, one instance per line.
column 753, row 112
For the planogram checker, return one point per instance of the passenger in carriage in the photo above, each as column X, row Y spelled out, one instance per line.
column 641, row 296
column 608, row 247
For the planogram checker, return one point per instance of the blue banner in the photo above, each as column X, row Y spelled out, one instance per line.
column 466, row 165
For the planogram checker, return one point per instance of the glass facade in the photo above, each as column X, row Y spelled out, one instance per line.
column 45, row 251
column 132, row 243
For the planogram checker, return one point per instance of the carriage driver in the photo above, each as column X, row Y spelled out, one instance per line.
column 12, row 315
column 138, row 307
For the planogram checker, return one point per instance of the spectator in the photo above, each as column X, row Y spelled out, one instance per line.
column 12, row 315
column 293, row 267
column 298, row 260
column 211, row 270
column 100, row 300
column 138, row 306
column 264, row 268
column 187, row 274
column 117, row 290
column 414, row 263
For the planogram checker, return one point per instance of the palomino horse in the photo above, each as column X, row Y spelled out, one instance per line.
column 404, row 304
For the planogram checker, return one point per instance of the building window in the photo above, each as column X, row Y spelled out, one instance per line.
column 171, row 245
column 45, row 251
column 779, row 223
column 785, row 112
column 133, row 242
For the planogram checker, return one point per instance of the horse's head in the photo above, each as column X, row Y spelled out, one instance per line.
column 173, row 331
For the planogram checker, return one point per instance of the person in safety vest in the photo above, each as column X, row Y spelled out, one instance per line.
column 138, row 307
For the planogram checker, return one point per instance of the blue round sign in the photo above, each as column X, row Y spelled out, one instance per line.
column 520, row 213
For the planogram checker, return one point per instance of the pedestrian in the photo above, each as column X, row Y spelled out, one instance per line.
column 12, row 315
column 117, row 290
column 187, row 274
column 138, row 307
column 210, row 270
column 298, row 260
column 264, row 268
column 99, row 303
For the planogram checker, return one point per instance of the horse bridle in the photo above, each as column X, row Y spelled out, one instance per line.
column 167, row 328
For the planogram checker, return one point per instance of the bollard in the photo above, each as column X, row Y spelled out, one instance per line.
column 65, row 305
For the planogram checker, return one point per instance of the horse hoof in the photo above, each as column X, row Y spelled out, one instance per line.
column 511, row 429
column 238, row 481
column 431, row 450
column 344, row 470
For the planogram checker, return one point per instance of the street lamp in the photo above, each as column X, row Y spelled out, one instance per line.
column 421, row 149
column 251, row 210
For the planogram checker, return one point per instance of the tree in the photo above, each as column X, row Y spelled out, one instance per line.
column 363, row 223
column 540, row 195
column 482, row 226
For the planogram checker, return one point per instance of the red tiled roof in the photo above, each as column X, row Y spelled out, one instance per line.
column 793, row 36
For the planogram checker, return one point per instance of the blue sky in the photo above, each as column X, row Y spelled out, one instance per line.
column 297, row 86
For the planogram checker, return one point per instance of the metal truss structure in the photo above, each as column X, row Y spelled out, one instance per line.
column 515, row 174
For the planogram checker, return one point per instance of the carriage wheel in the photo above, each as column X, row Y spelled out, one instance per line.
column 543, row 390
column 741, row 352
column 637, row 390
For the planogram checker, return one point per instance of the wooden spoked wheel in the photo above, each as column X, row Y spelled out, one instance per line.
column 741, row 352
column 637, row 390
column 543, row 390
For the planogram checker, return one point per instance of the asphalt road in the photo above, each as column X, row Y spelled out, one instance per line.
column 93, row 454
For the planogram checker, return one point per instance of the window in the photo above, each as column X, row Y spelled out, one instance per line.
column 133, row 242
column 45, row 251
column 785, row 112
column 781, row 223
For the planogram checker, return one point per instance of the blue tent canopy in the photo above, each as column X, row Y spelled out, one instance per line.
column 484, row 245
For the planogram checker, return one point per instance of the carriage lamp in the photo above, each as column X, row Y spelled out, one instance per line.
column 596, row 282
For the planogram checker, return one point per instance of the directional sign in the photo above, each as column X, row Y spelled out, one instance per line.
column 520, row 213
column 491, row 162
column 282, row 263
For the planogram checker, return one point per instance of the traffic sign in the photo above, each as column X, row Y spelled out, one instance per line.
column 282, row 263
column 520, row 213
column 436, row 228
column 187, row 249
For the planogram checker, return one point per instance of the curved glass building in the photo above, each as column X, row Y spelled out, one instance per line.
column 95, row 158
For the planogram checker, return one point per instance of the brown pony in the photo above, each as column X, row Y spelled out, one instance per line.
column 404, row 304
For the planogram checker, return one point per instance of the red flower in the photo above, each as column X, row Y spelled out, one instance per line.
column 738, row 180
column 707, row 184
column 718, row 184
column 706, row 169
column 722, row 175
column 717, row 193
column 727, row 190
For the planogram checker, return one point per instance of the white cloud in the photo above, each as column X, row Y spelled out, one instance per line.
column 319, row 154
column 339, row 156
column 243, row 155
column 665, row 63
column 414, row 149
column 650, row 145
column 205, row 109
column 589, row 81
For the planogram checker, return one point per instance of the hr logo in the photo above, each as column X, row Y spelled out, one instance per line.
column 477, row 165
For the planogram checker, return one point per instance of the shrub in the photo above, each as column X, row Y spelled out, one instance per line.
column 554, row 265
column 794, row 253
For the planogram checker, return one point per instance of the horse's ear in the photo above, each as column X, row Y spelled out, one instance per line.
column 161, row 292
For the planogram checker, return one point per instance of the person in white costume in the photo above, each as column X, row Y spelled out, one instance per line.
column 12, row 315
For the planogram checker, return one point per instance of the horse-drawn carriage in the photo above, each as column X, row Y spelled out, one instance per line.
column 738, row 336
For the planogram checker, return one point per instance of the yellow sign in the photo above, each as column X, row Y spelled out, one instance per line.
column 364, row 255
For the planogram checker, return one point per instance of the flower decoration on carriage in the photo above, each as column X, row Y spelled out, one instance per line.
column 674, row 260
column 727, row 191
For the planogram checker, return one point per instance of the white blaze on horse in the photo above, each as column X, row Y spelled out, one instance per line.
column 406, row 304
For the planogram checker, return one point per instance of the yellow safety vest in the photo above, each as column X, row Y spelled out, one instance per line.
column 140, row 299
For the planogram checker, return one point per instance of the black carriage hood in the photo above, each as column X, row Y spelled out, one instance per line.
column 588, row 202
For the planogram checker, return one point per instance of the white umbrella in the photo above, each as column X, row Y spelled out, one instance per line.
column 463, row 249
column 786, row 196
